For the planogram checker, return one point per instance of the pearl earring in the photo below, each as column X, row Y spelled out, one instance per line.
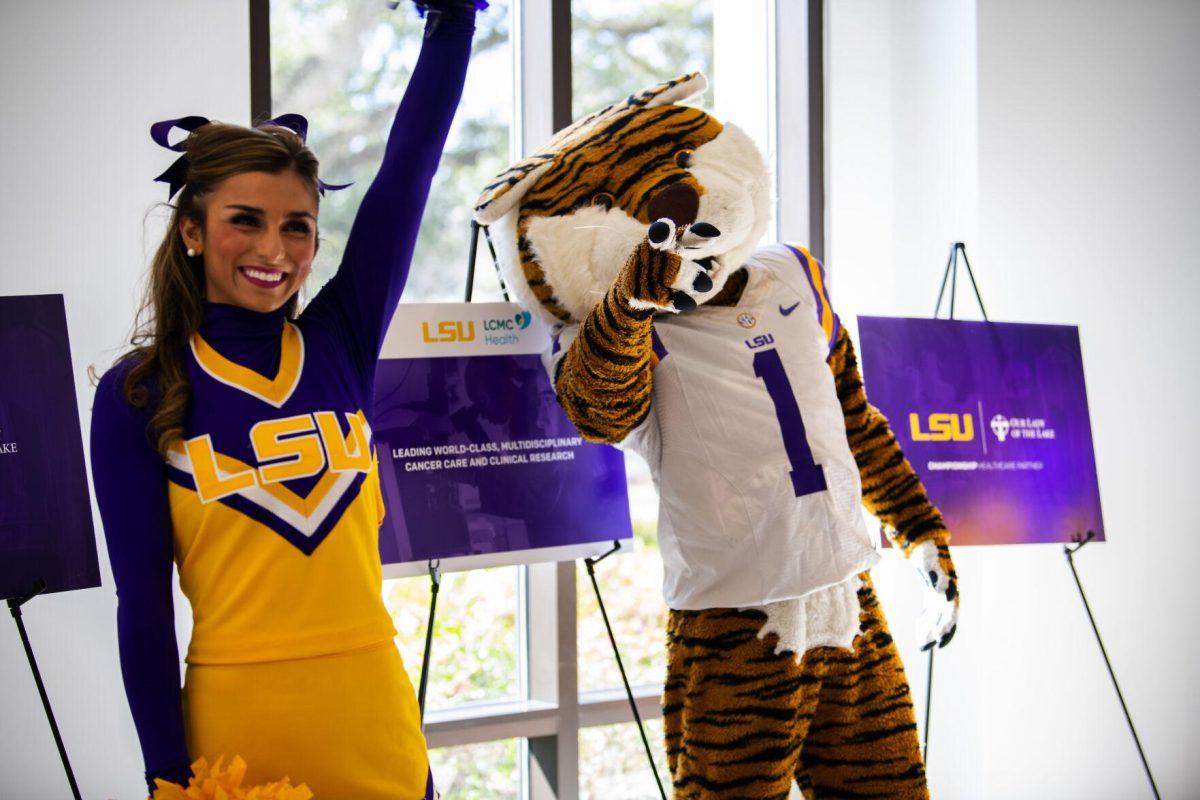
column 191, row 252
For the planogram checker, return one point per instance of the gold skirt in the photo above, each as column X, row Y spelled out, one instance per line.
column 346, row 724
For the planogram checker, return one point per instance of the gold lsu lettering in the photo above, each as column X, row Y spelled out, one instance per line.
column 943, row 428
column 285, row 449
column 450, row 331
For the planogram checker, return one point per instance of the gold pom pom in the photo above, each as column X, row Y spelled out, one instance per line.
column 220, row 783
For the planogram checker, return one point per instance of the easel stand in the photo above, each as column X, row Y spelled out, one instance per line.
column 435, row 573
column 435, row 580
column 591, row 571
column 950, row 276
column 1070, row 552
column 14, row 606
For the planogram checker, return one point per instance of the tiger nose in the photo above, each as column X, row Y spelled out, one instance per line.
column 679, row 203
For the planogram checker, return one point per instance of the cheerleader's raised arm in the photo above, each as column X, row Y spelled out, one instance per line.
column 366, row 289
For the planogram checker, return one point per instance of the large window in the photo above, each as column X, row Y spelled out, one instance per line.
column 344, row 65
column 524, row 696
column 620, row 46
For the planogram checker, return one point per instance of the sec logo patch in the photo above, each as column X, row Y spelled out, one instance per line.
column 747, row 320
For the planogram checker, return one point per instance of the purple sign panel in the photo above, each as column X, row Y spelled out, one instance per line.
column 478, row 460
column 45, row 508
column 994, row 418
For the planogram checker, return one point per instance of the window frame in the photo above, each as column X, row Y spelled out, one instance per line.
column 551, row 710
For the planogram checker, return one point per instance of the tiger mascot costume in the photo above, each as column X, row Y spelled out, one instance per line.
column 634, row 233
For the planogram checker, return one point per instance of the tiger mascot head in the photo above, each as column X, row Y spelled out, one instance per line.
column 565, row 219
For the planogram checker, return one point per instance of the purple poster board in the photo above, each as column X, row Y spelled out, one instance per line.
column 45, row 508
column 994, row 418
column 478, row 463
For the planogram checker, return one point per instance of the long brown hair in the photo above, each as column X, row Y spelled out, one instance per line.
column 173, row 304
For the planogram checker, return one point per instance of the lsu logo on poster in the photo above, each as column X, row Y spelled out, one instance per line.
column 450, row 331
column 944, row 427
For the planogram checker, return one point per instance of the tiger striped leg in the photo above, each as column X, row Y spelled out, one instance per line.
column 734, row 711
column 863, row 742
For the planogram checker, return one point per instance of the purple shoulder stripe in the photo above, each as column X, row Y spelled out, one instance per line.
column 814, row 272
column 660, row 350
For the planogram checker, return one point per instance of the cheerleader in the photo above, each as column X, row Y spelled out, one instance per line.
column 234, row 441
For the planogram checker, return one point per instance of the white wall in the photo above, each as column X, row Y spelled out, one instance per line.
column 80, row 84
column 1072, row 175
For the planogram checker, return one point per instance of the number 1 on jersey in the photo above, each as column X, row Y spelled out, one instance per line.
column 807, row 475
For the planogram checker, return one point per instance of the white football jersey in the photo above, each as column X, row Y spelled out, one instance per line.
column 759, row 494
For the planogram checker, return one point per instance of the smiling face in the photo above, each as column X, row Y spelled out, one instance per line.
column 258, row 240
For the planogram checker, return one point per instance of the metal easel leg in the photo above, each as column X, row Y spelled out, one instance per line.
column 435, row 579
column 954, row 277
column 1070, row 552
column 470, row 290
column 495, row 263
column 928, row 706
column 971, row 275
column 14, row 606
column 937, row 309
column 591, row 570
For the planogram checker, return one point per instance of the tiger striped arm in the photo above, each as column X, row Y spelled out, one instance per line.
column 891, row 489
column 603, row 381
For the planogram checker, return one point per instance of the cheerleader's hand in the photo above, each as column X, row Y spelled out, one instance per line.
column 939, row 619
column 441, row 5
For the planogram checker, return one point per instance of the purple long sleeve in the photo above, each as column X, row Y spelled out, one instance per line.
column 363, row 295
column 131, row 490
column 357, row 304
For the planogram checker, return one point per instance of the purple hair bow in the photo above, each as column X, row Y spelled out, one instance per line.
column 176, row 174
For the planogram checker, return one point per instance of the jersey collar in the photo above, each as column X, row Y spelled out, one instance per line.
column 274, row 391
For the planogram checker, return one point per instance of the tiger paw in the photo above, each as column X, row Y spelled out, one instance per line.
column 939, row 619
column 658, row 278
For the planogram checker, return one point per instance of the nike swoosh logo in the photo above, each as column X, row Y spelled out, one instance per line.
column 788, row 310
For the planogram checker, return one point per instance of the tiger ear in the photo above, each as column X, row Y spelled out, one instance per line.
column 676, row 90
column 499, row 197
